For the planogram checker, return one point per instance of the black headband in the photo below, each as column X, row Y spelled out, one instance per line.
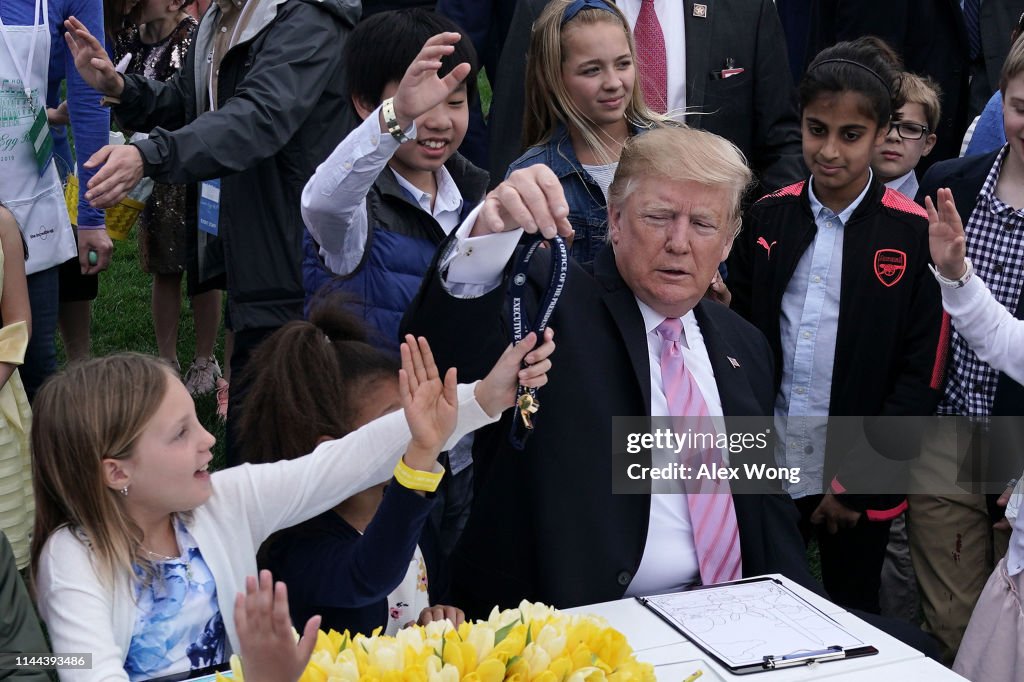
column 874, row 73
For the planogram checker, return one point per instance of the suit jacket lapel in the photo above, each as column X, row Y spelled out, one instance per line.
column 698, row 54
column 734, row 387
column 621, row 303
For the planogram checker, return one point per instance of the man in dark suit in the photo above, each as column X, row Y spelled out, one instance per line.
column 545, row 524
column 998, row 17
column 751, row 105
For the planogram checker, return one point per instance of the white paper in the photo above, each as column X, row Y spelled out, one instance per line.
column 744, row 622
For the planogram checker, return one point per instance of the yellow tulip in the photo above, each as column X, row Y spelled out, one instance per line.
column 514, row 641
column 589, row 674
column 236, row 668
column 491, row 670
column 582, row 657
column 536, row 658
column 313, row 673
column 561, row 667
column 551, row 639
column 518, row 670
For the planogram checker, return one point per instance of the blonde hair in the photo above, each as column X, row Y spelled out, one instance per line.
column 922, row 90
column 92, row 411
column 1013, row 66
column 548, row 102
column 679, row 155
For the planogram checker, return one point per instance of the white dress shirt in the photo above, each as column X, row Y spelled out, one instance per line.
column 671, row 17
column 334, row 200
column 474, row 267
column 906, row 184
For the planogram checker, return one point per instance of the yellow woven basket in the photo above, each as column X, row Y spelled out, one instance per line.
column 119, row 220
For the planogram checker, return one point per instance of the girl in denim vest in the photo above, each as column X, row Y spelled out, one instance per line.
column 583, row 103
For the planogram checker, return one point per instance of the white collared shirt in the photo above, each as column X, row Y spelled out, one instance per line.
column 670, row 561
column 905, row 184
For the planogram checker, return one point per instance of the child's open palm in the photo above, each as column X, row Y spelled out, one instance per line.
column 946, row 235
column 431, row 406
column 421, row 89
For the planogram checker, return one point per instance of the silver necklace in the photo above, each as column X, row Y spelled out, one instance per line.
column 158, row 555
column 163, row 557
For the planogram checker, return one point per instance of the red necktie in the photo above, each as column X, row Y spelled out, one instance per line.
column 712, row 514
column 650, row 50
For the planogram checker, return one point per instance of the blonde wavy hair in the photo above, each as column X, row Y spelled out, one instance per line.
column 92, row 411
column 549, row 103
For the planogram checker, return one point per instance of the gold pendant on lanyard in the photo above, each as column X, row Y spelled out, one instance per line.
column 527, row 405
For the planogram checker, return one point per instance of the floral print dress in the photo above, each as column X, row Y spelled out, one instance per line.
column 410, row 597
column 179, row 625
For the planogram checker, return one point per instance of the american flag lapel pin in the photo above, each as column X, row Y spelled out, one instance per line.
column 700, row 11
column 733, row 361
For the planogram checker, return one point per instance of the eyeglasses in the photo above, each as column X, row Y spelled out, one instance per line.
column 909, row 131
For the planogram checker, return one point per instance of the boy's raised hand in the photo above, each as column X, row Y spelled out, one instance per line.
column 497, row 391
column 946, row 237
column 421, row 89
column 431, row 406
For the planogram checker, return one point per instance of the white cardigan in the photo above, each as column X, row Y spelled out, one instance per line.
column 995, row 336
column 248, row 503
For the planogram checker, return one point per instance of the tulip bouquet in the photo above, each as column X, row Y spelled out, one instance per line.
column 533, row 643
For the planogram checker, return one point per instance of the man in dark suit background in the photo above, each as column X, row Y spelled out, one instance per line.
column 934, row 39
column 736, row 77
column 545, row 524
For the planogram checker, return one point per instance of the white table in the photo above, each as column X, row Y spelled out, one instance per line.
column 675, row 657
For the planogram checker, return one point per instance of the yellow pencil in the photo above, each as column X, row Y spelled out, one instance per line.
column 694, row 676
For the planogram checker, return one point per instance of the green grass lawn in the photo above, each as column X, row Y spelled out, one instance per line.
column 121, row 321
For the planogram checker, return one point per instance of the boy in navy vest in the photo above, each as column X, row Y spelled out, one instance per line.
column 382, row 202
column 379, row 206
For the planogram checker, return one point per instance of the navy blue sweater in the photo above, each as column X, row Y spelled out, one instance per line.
column 333, row 571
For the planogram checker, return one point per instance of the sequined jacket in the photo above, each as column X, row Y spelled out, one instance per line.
column 159, row 60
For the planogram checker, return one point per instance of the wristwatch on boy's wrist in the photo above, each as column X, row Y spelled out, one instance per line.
column 387, row 109
column 958, row 282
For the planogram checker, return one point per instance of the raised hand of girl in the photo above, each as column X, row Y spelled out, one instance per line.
column 497, row 391
column 421, row 89
column 431, row 406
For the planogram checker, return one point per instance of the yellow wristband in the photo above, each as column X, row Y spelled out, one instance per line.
column 414, row 479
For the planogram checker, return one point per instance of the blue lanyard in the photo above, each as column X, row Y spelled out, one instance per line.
column 526, row 398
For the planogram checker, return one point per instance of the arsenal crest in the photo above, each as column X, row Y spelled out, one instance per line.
column 890, row 264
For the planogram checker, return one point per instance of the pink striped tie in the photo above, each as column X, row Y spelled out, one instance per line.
column 712, row 515
column 653, row 63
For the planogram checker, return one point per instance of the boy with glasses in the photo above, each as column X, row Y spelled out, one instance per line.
column 911, row 135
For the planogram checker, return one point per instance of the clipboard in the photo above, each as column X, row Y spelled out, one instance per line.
column 756, row 625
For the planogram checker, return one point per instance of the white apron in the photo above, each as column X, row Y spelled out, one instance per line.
column 37, row 202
